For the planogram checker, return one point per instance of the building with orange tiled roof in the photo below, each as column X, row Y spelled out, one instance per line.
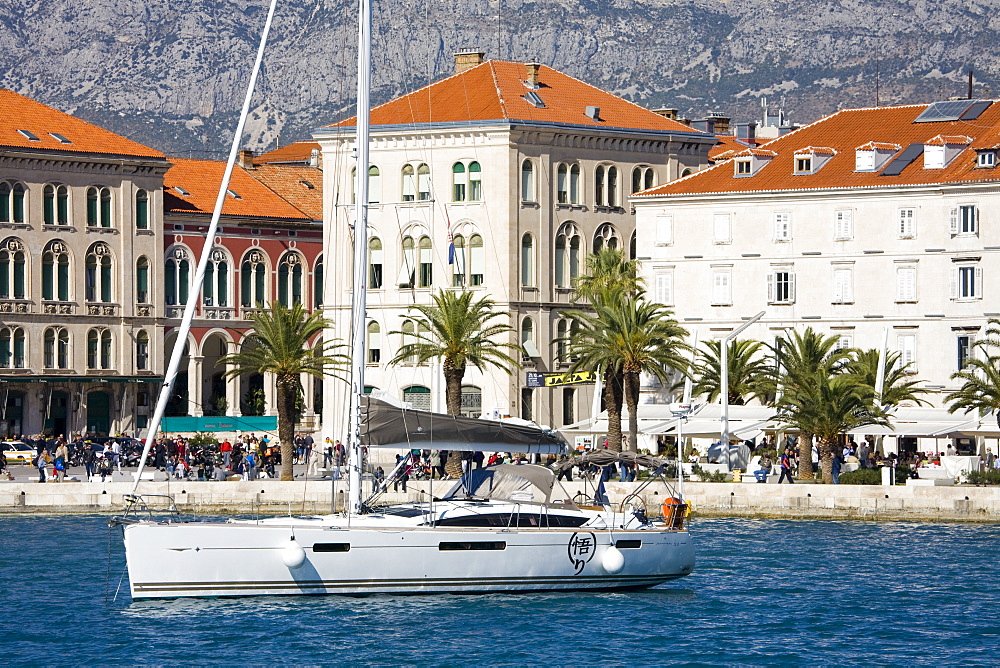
column 269, row 247
column 867, row 223
column 81, row 222
column 528, row 169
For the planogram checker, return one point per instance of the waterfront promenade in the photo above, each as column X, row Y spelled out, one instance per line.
column 302, row 496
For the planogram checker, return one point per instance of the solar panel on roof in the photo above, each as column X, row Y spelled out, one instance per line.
column 903, row 160
column 977, row 108
column 949, row 110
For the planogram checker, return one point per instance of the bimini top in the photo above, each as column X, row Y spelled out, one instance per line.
column 386, row 426
column 506, row 482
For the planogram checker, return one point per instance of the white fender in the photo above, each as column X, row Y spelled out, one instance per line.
column 613, row 560
column 292, row 554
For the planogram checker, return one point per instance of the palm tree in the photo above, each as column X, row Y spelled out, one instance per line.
column 900, row 384
column 980, row 376
column 748, row 372
column 627, row 337
column 457, row 329
column 279, row 345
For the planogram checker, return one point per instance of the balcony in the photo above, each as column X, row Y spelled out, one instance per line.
column 16, row 306
column 218, row 312
column 50, row 307
column 103, row 308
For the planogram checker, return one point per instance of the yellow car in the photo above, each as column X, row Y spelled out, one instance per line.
column 17, row 452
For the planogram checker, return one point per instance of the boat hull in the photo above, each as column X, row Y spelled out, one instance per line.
column 216, row 559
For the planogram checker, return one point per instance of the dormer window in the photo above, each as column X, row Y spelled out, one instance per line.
column 749, row 162
column 811, row 159
column 872, row 156
column 940, row 151
column 986, row 159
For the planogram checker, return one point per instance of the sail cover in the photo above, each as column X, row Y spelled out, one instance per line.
column 386, row 426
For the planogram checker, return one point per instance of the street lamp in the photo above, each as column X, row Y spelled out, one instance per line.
column 724, row 381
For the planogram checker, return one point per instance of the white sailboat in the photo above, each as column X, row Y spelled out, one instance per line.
column 501, row 528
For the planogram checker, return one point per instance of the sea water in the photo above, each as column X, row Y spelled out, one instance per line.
column 763, row 592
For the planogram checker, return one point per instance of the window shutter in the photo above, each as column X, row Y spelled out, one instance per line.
column 975, row 220
column 977, row 287
column 663, row 289
column 791, row 287
column 953, row 288
column 770, row 287
column 843, row 224
column 723, row 234
column 664, row 230
column 953, row 220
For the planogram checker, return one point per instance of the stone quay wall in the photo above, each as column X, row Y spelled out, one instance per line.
column 272, row 497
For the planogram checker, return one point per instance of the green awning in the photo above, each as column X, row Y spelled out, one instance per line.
column 242, row 423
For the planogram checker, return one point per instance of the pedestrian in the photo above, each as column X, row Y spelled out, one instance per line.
column 327, row 452
column 786, row 466
column 313, row 460
column 104, row 467
column 227, row 452
column 378, row 477
column 339, row 453
column 838, row 462
column 62, row 461
column 41, row 462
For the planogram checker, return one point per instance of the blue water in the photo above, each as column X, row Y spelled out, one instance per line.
column 764, row 592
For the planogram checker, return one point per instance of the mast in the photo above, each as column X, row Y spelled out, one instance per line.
column 206, row 252
column 360, row 284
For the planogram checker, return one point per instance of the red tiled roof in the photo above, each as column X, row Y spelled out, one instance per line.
column 727, row 147
column 759, row 152
column 200, row 179
column 816, row 150
column 879, row 146
column 300, row 186
column 299, row 151
column 495, row 90
column 845, row 131
column 18, row 112
column 942, row 140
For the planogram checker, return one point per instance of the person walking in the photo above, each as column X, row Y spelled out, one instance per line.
column 41, row 463
column 838, row 462
column 313, row 459
column 62, row 461
column 227, row 453
column 786, row 466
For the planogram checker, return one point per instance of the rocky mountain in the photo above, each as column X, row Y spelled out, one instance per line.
column 172, row 74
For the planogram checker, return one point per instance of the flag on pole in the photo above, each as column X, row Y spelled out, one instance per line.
column 451, row 238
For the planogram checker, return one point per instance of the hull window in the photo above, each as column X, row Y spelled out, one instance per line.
column 473, row 545
column 335, row 547
column 523, row 520
column 628, row 544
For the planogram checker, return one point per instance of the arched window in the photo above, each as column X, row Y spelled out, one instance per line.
column 418, row 396
column 529, row 348
column 99, row 349
column 426, row 262
column 416, row 182
column 458, row 266
column 562, row 184
column 631, row 247
column 527, row 261
column 253, row 284
column 409, row 331
column 12, row 269
column 55, row 204
column 612, row 186
column 423, row 183
column 409, row 183
column 606, row 237
column 215, row 290
column 527, row 181
column 176, row 277
column 142, row 210
column 56, row 348
column 374, row 343
column 98, row 206
column 290, row 279
column 55, row 271
column 318, row 282
column 477, row 260
column 606, row 185
column 574, row 184
column 97, row 275
column 562, row 330
column 374, row 185
column 142, row 351
column 408, row 269
column 599, row 185
column 375, row 263
column 12, row 348
column 460, row 182
column 475, row 182
column 142, row 281
column 12, row 202
column 642, row 178
column 567, row 257
column 472, row 401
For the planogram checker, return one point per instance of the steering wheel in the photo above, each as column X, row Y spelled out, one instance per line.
column 621, row 508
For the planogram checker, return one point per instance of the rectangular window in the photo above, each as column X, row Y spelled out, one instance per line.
column 843, row 286
column 843, row 224
column 965, row 342
column 906, row 284
column 964, row 219
column 803, row 165
column 743, row 168
column 664, row 287
column 664, row 230
column 781, row 287
column 907, row 223
column 569, row 405
column 845, row 342
column 723, row 228
column 907, row 346
column 782, row 227
column 722, row 287
column 526, row 404
column 967, row 282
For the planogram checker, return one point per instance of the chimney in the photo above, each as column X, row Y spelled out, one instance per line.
column 667, row 112
column 466, row 60
column 314, row 158
column 593, row 113
column 747, row 132
column 245, row 159
column 532, row 79
column 704, row 125
column 721, row 123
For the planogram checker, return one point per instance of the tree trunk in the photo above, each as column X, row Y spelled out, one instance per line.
column 631, row 379
column 453, row 376
column 826, row 459
column 806, row 457
column 613, row 400
column 285, row 390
